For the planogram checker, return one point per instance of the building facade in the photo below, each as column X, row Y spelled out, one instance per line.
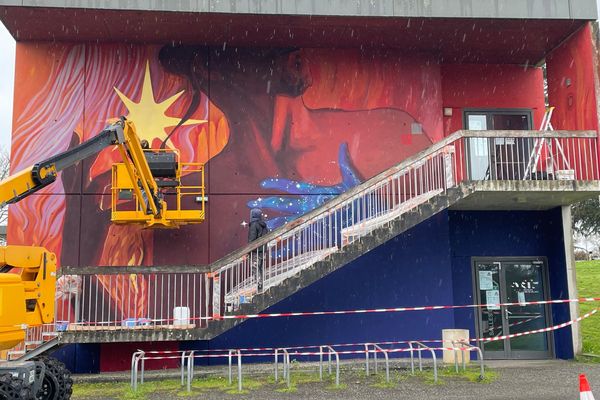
column 290, row 104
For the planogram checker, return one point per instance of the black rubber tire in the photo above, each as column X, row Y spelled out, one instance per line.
column 5, row 386
column 49, row 389
column 13, row 389
column 58, row 377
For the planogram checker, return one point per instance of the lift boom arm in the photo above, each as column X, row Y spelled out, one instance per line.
column 121, row 133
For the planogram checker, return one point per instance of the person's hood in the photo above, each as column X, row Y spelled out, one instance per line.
column 255, row 214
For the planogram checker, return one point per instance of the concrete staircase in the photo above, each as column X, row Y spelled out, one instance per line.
column 317, row 270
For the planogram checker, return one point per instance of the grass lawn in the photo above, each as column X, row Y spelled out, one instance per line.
column 213, row 386
column 588, row 285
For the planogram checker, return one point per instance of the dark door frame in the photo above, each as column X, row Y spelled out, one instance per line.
column 492, row 162
column 508, row 354
column 489, row 112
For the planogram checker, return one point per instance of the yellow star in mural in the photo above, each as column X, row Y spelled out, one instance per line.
column 150, row 117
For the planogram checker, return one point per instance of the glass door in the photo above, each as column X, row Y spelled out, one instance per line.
column 499, row 158
column 491, row 323
column 478, row 148
column 513, row 281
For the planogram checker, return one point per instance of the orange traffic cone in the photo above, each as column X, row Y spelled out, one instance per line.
column 585, row 393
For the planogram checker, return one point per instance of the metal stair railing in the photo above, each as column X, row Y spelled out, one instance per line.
column 337, row 224
column 384, row 198
column 142, row 298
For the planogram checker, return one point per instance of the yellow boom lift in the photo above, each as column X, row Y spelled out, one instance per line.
column 141, row 183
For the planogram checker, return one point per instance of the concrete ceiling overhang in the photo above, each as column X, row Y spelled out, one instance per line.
column 473, row 40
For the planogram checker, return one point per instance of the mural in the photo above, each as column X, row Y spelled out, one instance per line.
column 281, row 129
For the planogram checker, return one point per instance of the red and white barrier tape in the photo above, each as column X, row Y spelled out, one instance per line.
column 514, row 323
column 155, row 355
column 403, row 309
column 302, row 353
column 343, row 312
column 548, row 329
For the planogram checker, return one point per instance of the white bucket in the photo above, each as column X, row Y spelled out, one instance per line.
column 181, row 316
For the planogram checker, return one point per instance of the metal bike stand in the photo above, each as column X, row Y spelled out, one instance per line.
column 183, row 359
column 134, row 367
column 286, row 365
column 135, row 363
column 420, row 347
column 468, row 345
column 375, row 350
column 239, row 357
column 455, row 350
column 190, row 370
column 330, row 351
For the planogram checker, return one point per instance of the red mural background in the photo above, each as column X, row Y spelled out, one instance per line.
column 282, row 129
column 272, row 114
column 279, row 128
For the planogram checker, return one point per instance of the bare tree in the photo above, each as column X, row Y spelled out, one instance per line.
column 4, row 171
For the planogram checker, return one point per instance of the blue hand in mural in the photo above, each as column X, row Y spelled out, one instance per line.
column 310, row 196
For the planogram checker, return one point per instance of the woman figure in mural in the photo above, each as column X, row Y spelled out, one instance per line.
column 303, row 125
column 244, row 83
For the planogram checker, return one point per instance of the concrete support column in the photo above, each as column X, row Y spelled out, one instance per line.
column 571, row 276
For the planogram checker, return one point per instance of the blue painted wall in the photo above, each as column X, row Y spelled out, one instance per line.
column 413, row 269
column 428, row 265
column 505, row 234
column 80, row 358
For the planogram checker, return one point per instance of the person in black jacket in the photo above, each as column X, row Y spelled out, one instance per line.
column 257, row 229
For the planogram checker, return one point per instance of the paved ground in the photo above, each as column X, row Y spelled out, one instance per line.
column 523, row 380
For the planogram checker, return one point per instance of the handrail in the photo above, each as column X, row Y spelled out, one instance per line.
column 408, row 162
column 527, row 134
column 127, row 269
column 338, row 200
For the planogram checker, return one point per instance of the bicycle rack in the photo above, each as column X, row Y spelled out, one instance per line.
column 190, row 368
column 239, row 357
column 187, row 365
column 285, row 355
column 330, row 351
column 470, row 347
column 375, row 350
column 420, row 347
column 135, row 359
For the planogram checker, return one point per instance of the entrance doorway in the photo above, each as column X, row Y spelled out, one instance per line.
column 513, row 281
column 498, row 158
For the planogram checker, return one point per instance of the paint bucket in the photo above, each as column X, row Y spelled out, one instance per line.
column 181, row 316
column 61, row 326
column 129, row 322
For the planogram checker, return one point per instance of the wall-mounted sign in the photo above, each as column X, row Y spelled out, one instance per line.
column 486, row 281
column 492, row 299
column 526, row 286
